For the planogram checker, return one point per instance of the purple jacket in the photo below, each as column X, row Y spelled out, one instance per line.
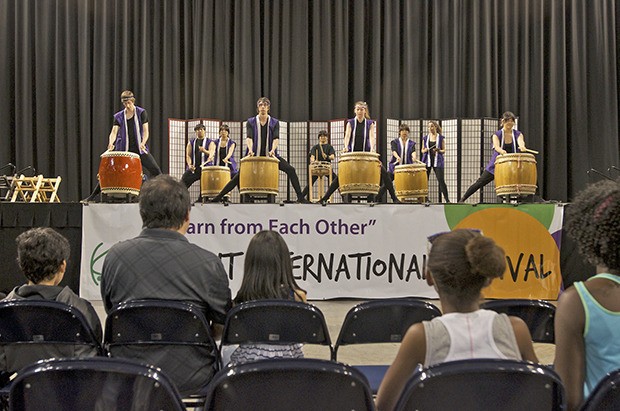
column 216, row 160
column 122, row 142
column 438, row 163
column 353, row 122
column 397, row 146
column 274, row 130
column 515, row 135
column 203, row 157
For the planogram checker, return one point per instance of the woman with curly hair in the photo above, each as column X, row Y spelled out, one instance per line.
column 460, row 264
column 587, row 321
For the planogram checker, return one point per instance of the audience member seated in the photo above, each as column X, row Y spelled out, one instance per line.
column 587, row 319
column 460, row 264
column 267, row 274
column 161, row 263
column 42, row 255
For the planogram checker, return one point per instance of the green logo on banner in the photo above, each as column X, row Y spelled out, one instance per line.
column 94, row 258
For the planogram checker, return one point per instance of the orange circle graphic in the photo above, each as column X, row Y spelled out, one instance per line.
column 532, row 256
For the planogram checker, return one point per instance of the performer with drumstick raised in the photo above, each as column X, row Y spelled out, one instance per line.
column 360, row 135
column 403, row 152
column 323, row 153
column 130, row 132
column 196, row 154
column 262, row 138
column 506, row 140
column 433, row 150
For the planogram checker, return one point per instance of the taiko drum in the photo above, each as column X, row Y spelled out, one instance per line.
column 359, row 172
column 258, row 175
column 213, row 179
column 411, row 182
column 120, row 173
column 515, row 174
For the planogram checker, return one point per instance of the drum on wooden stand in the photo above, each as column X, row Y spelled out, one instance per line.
column 213, row 179
column 515, row 174
column 359, row 172
column 319, row 169
column 120, row 173
column 258, row 175
column 411, row 182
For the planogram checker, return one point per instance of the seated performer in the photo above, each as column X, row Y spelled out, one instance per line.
column 322, row 152
column 263, row 136
column 360, row 135
column 403, row 152
column 196, row 155
column 223, row 150
column 130, row 132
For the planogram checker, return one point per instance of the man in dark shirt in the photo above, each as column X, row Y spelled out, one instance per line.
column 161, row 263
column 42, row 255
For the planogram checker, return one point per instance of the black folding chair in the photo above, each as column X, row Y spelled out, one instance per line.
column 489, row 384
column 290, row 384
column 172, row 335
column 381, row 321
column 276, row 322
column 606, row 394
column 32, row 330
column 538, row 315
column 93, row 384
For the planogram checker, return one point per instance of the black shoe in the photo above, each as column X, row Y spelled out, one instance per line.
column 302, row 201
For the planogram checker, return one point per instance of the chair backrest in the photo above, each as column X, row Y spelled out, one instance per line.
column 276, row 322
column 483, row 384
column 32, row 330
column 172, row 335
column 289, row 384
column 383, row 321
column 606, row 394
column 538, row 315
column 98, row 383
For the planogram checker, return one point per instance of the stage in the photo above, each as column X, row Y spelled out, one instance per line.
column 338, row 251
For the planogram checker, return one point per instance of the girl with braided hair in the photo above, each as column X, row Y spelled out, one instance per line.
column 460, row 264
column 587, row 320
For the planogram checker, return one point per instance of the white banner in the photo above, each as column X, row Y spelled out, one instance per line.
column 353, row 251
column 338, row 251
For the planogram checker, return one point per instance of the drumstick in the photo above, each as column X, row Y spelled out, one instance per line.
column 531, row 151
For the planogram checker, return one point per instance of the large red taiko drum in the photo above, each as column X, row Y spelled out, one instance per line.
column 120, row 173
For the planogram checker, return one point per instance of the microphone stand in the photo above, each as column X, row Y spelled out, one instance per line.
column 599, row 173
column 11, row 165
column 34, row 171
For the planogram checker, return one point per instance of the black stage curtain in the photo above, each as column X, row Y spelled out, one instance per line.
column 17, row 218
column 65, row 62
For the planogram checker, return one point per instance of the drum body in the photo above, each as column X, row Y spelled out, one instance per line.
column 515, row 174
column 359, row 172
column 120, row 173
column 213, row 179
column 411, row 182
column 258, row 175
column 320, row 168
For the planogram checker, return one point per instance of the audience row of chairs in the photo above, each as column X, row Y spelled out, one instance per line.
column 175, row 337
